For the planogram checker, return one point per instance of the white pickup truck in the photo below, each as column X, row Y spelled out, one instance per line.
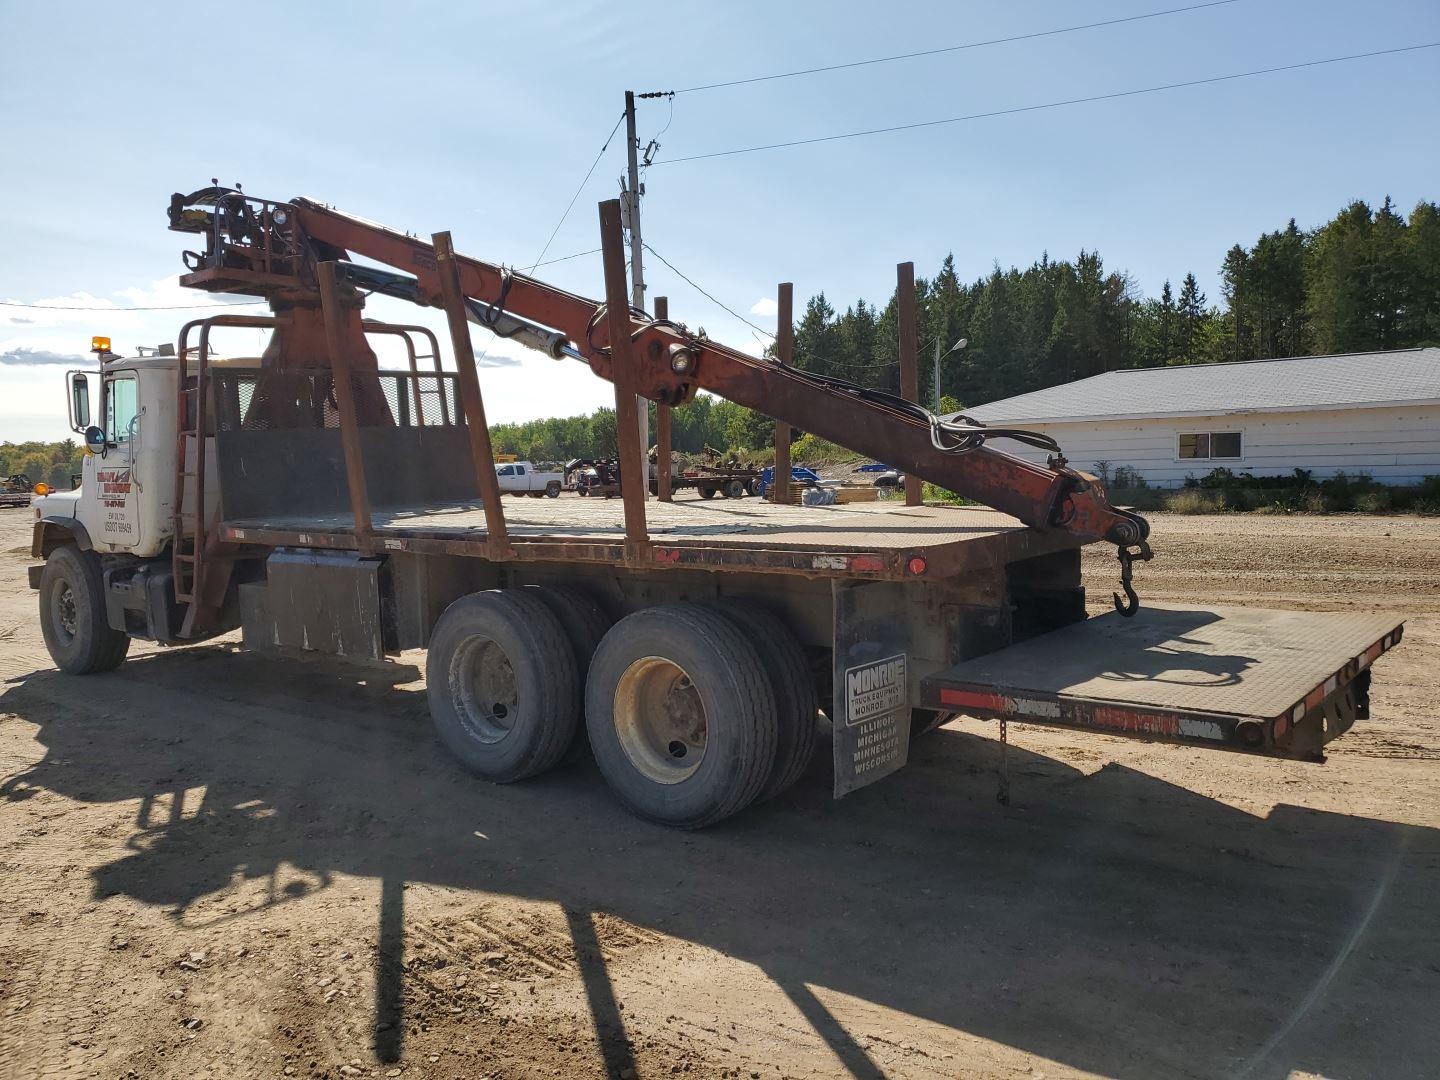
column 522, row 478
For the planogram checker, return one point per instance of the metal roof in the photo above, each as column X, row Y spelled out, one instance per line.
column 1345, row 381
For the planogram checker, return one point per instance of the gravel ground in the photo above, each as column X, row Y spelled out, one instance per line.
column 217, row 865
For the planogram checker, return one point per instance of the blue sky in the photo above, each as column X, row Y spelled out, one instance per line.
column 482, row 119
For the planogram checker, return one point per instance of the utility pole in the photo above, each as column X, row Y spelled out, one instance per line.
column 632, row 204
column 637, row 270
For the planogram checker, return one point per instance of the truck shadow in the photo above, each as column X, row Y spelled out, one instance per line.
column 1109, row 921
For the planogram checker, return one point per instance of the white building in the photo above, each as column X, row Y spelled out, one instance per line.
column 1376, row 413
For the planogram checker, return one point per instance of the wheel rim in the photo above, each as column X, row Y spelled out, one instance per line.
column 660, row 720
column 67, row 619
column 482, row 683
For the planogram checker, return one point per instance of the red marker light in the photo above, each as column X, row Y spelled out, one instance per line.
column 917, row 566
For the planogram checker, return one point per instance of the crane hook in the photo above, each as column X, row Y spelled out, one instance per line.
column 1131, row 604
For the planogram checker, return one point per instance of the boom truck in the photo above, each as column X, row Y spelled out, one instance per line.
column 314, row 500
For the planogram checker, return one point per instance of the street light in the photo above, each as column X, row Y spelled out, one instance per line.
column 940, row 356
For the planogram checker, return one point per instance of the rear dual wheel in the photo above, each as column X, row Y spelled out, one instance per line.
column 692, row 711
column 503, row 684
column 681, row 715
column 696, row 711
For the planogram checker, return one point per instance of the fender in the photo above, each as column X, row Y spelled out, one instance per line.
column 54, row 531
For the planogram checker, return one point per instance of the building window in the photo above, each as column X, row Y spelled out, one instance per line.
column 1207, row 445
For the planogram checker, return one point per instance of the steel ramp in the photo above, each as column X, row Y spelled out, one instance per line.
column 1281, row 683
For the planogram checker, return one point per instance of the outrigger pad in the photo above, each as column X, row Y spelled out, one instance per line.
column 1276, row 682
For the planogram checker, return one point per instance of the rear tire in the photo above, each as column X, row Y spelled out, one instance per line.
column 797, row 706
column 552, row 489
column 72, row 614
column 585, row 624
column 504, row 693
column 681, row 715
column 706, row 491
column 734, row 489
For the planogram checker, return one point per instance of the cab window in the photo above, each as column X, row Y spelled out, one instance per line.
column 506, row 470
column 120, row 408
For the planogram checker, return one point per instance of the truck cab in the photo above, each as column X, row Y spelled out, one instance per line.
column 125, row 503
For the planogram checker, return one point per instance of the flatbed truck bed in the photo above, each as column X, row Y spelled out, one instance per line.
column 870, row 541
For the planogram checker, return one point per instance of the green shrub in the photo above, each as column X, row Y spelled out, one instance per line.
column 810, row 447
column 1373, row 502
column 935, row 493
column 1194, row 501
column 1314, row 502
column 1427, row 507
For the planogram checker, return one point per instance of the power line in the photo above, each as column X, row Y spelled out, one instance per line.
column 571, row 204
column 953, row 48
column 705, row 294
column 169, row 307
column 1053, row 104
column 567, row 258
column 878, row 365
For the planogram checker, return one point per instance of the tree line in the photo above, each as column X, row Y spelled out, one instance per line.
column 50, row 463
column 1365, row 280
column 1368, row 279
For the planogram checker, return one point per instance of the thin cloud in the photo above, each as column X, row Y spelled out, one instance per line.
column 34, row 357
column 764, row 306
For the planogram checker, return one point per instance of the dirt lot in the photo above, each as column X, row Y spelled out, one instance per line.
column 213, row 865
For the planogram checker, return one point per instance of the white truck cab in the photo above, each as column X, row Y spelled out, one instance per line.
column 107, row 542
column 126, row 498
column 522, row 478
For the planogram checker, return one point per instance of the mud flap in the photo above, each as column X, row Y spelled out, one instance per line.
column 871, row 706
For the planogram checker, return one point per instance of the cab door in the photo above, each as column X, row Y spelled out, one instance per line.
column 110, row 476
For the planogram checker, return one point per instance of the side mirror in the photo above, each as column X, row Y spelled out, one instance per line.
column 79, row 401
column 94, row 440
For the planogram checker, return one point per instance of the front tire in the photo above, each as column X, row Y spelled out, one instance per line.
column 681, row 715
column 72, row 614
column 501, row 680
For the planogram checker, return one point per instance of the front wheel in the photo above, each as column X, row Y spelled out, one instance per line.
column 72, row 614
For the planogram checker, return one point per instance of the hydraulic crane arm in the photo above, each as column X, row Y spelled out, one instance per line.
column 273, row 249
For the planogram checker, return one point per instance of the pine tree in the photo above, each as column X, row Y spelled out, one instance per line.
column 1190, row 317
